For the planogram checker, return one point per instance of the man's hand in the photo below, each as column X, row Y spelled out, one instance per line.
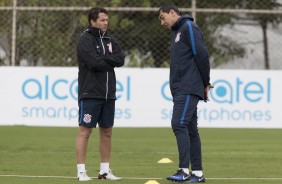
column 207, row 89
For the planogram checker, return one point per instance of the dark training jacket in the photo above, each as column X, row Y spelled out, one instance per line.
column 97, row 56
column 189, row 60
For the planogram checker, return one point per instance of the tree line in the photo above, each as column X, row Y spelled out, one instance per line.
column 49, row 38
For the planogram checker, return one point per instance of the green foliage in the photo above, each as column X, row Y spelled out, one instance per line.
column 126, row 23
column 222, row 48
column 273, row 19
column 226, row 49
column 264, row 20
column 49, row 37
column 137, row 59
column 39, row 37
column 6, row 3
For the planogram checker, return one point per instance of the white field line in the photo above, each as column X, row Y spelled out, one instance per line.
column 71, row 177
column 135, row 178
column 244, row 178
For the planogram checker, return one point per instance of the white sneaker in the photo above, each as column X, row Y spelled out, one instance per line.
column 82, row 176
column 108, row 176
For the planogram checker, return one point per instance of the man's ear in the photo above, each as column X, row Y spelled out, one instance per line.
column 172, row 12
column 92, row 22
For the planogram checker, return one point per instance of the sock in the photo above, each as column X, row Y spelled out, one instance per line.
column 186, row 170
column 80, row 168
column 198, row 173
column 104, row 168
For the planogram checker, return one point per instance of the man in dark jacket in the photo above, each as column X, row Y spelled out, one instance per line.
column 97, row 55
column 189, row 83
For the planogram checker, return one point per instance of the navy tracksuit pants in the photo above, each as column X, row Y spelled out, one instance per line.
column 185, row 127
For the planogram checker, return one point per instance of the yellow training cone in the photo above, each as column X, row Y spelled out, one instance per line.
column 165, row 161
column 152, row 182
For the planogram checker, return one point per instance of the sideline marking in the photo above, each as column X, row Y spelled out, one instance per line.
column 134, row 178
column 71, row 177
column 244, row 178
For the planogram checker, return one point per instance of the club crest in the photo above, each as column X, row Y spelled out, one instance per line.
column 110, row 47
column 87, row 118
column 177, row 38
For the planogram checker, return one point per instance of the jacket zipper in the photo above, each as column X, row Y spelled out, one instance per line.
column 104, row 52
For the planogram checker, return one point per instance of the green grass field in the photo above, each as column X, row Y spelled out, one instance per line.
column 44, row 155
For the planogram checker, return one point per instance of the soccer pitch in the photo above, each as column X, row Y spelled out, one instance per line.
column 32, row 155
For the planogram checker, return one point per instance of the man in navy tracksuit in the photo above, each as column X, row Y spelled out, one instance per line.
column 189, row 83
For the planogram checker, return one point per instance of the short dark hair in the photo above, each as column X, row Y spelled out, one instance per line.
column 93, row 13
column 167, row 7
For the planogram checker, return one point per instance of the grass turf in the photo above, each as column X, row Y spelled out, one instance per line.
column 230, row 156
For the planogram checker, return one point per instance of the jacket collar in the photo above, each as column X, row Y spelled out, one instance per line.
column 96, row 32
column 181, row 20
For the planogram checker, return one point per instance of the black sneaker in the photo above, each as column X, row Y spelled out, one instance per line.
column 196, row 179
column 179, row 176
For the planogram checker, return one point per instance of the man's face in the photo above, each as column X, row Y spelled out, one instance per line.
column 168, row 19
column 102, row 22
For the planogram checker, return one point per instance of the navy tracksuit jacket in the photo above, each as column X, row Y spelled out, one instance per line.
column 189, row 60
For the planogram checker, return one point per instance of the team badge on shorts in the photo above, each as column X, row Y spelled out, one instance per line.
column 87, row 118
